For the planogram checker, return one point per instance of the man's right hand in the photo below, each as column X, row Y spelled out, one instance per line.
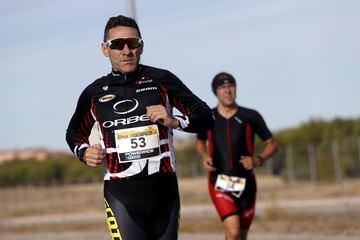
column 208, row 163
column 94, row 156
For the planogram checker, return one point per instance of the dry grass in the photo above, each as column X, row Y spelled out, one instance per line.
column 279, row 220
column 55, row 227
column 22, row 202
column 275, row 188
column 286, row 222
column 27, row 201
column 210, row 224
column 195, row 191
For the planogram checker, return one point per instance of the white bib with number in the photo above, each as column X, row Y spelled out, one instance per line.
column 134, row 144
column 235, row 185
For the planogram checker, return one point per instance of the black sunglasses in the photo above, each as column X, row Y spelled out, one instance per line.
column 119, row 43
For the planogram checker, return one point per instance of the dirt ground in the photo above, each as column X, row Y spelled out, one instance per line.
column 300, row 208
column 284, row 211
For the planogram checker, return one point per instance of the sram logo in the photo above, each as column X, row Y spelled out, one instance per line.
column 146, row 89
column 125, row 121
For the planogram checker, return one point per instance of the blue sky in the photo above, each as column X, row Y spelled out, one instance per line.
column 293, row 60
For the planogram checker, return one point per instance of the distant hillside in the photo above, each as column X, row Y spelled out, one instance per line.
column 39, row 154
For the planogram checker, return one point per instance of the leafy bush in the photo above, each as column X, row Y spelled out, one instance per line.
column 323, row 135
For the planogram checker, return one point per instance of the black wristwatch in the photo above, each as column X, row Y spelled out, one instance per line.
column 261, row 160
column 80, row 154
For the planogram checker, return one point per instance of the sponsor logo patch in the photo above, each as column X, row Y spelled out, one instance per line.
column 107, row 98
column 143, row 80
column 125, row 106
column 146, row 89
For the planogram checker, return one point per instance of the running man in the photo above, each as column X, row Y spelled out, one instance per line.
column 230, row 157
column 132, row 107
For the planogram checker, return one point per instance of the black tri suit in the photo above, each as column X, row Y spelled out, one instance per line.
column 228, row 140
column 140, row 185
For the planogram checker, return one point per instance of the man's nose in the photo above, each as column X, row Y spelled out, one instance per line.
column 126, row 50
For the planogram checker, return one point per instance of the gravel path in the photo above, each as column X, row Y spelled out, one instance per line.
column 321, row 206
column 183, row 236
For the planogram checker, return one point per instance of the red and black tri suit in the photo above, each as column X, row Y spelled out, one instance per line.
column 228, row 140
column 140, row 187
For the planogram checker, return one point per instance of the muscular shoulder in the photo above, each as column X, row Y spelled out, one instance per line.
column 95, row 85
column 159, row 74
column 248, row 113
column 256, row 121
column 214, row 111
column 100, row 81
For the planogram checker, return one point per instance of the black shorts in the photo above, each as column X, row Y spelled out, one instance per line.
column 227, row 204
column 143, row 209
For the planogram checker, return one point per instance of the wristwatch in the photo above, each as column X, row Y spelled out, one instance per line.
column 261, row 160
column 80, row 154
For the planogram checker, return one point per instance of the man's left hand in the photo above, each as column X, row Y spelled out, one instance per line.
column 158, row 113
column 247, row 162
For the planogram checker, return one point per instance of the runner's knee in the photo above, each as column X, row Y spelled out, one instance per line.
column 232, row 233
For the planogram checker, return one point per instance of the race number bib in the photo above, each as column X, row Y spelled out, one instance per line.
column 235, row 185
column 137, row 143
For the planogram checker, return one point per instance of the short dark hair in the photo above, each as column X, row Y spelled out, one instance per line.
column 120, row 21
column 220, row 79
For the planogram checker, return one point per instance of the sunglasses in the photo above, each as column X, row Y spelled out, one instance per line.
column 119, row 43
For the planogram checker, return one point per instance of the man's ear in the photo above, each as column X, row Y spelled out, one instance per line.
column 142, row 48
column 105, row 49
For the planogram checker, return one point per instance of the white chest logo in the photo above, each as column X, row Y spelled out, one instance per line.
column 129, row 106
column 238, row 120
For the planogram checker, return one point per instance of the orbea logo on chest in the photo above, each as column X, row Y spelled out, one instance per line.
column 126, row 121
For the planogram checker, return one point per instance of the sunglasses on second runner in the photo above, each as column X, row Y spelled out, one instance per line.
column 119, row 43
